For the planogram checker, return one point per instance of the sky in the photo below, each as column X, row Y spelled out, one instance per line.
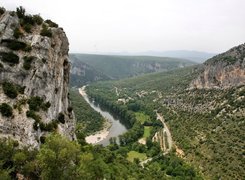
column 110, row 26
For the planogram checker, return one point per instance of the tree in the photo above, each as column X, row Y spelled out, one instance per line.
column 58, row 158
column 20, row 12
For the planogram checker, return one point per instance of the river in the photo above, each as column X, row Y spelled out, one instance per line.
column 116, row 127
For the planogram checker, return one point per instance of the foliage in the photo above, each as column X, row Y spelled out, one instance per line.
column 16, row 45
column 51, row 23
column 27, row 62
column 132, row 155
column 2, row 10
column 6, row 110
column 35, row 103
column 9, row 89
column 17, row 33
column 34, row 116
column 46, row 31
column 88, row 119
column 61, row 118
column 105, row 67
column 58, row 158
column 38, row 19
column 20, row 12
column 9, row 57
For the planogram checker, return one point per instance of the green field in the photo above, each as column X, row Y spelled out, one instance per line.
column 147, row 131
column 142, row 117
column 133, row 155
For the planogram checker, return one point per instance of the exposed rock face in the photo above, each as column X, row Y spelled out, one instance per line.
column 82, row 73
column 223, row 71
column 47, row 78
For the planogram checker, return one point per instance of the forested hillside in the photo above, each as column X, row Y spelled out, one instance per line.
column 88, row 68
column 207, row 124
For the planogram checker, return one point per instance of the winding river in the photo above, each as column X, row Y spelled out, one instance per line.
column 116, row 127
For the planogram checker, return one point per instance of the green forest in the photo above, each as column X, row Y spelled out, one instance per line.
column 206, row 124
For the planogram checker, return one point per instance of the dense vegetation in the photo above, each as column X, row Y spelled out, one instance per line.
column 60, row 158
column 12, row 90
column 6, row 110
column 9, row 57
column 207, row 125
column 88, row 120
column 88, row 68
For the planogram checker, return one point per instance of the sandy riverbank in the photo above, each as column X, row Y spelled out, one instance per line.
column 100, row 135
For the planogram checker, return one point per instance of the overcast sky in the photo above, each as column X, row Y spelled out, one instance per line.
column 95, row 26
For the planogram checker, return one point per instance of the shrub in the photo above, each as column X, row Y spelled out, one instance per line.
column 27, row 62
column 69, row 109
column 2, row 10
column 12, row 13
column 17, row 33
column 42, row 139
column 20, row 12
column 44, row 60
column 27, row 27
column 35, row 103
column 20, row 89
column 1, row 65
column 28, row 19
column 33, row 115
column 51, row 23
column 9, row 57
column 38, row 19
column 45, row 31
column 51, row 126
column 10, row 90
column 6, row 110
column 45, row 106
column 61, row 118
column 15, row 45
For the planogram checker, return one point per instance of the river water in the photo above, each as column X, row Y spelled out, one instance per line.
column 116, row 128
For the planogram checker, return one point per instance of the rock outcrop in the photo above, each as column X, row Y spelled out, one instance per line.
column 42, row 72
column 223, row 71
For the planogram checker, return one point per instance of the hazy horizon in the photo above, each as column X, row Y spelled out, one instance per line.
column 99, row 27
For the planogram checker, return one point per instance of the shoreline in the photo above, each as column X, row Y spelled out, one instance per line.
column 99, row 135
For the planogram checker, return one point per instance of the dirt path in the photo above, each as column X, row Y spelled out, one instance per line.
column 168, row 143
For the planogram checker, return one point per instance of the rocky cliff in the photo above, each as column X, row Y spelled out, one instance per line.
column 34, row 77
column 223, row 71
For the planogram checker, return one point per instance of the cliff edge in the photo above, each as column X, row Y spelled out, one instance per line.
column 34, row 77
column 223, row 71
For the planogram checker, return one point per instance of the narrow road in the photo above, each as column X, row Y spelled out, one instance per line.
column 168, row 145
column 166, row 142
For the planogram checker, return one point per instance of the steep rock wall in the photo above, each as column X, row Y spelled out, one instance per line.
column 223, row 71
column 47, row 78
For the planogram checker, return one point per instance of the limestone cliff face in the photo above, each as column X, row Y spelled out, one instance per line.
column 46, row 78
column 223, row 71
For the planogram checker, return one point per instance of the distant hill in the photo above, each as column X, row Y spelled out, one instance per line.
column 196, row 56
column 88, row 68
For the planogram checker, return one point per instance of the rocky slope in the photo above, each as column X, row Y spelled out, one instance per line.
column 34, row 77
column 223, row 71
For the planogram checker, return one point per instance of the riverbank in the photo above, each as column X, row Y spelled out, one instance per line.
column 99, row 135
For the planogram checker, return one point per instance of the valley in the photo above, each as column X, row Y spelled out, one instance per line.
column 206, row 123
column 91, row 116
